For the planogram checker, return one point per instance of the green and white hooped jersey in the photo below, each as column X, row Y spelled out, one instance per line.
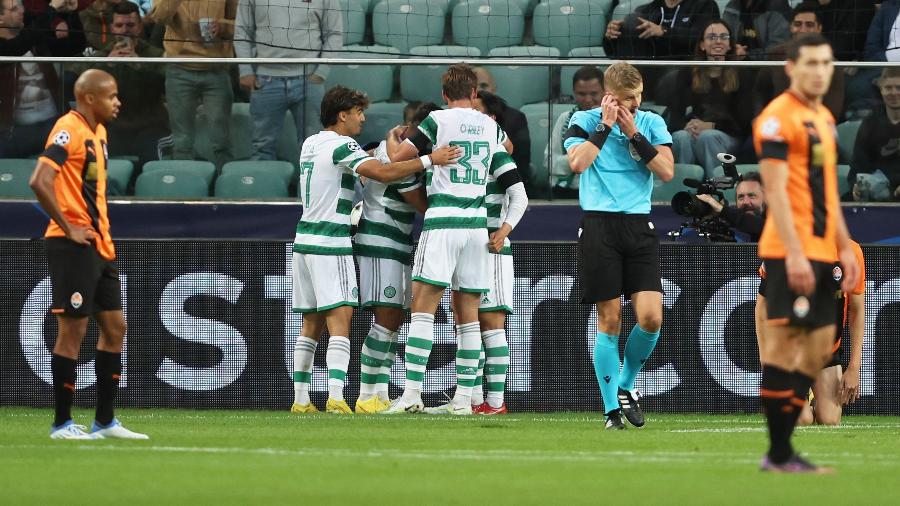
column 328, row 163
column 456, row 191
column 385, row 227
column 495, row 198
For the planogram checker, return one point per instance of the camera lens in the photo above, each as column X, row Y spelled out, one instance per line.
column 689, row 205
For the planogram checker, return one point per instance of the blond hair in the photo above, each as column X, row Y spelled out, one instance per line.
column 622, row 76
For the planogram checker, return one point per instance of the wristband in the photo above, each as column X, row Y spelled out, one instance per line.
column 598, row 138
column 643, row 147
column 426, row 161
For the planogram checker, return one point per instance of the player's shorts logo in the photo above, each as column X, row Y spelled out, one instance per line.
column 390, row 292
column 62, row 138
column 837, row 273
column 486, row 300
column 801, row 307
column 76, row 300
column 355, row 292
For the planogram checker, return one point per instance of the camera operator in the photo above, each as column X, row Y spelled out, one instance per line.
column 748, row 216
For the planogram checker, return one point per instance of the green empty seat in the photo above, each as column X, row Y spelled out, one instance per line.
column 408, row 23
column 622, row 10
column 568, row 72
column 843, row 185
column 171, row 183
column 118, row 174
column 354, row 15
column 663, row 192
column 376, row 80
column 423, row 82
column 14, row 176
column 541, row 119
column 256, row 185
column 205, row 170
column 283, row 170
column 520, row 85
column 847, row 132
column 380, row 118
column 487, row 24
column 567, row 24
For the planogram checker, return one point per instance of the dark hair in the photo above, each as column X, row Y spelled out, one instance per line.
column 807, row 6
column 410, row 108
column 700, row 76
column 126, row 8
column 494, row 105
column 340, row 99
column 807, row 40
column 423, row 110
column 588, row 73
column 458, row 82
column 751, row 177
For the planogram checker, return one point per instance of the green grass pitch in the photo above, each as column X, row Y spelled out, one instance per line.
column 255, row 457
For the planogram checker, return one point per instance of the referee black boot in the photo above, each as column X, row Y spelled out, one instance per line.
column 630, row 407
column 614, row 420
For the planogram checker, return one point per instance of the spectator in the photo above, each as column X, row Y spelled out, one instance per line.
column 772, row 81
column 720, row 112
column 845, row 23
column 96, row 20
column 883, row 40
column 309, row 29
column 758, row 25
column 143, row 119
column 875, row 165
column 587, row 85
column 515, row 125
column 68, row 39
column 189, row 84
column 29, row 92
column 660, row 29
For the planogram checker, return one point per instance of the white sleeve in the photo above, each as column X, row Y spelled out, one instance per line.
column 518, row 204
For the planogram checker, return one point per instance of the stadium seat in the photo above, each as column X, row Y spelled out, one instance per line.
column 205, row 170
column 381, row 117
column 567, row 24
column 721, row 4
column 541, row 118
column 843, row 184
column 118, row 174
column 623, row 9
column 408, row 23
column 376, row 80
column 354, row 15
column 14, row 176
column 423, row 82
column 663, row 192
column 171, row 183
column 847, row 132
column 258, row 185
column 567, row 72
column 520, row 85
column 487, row 24
column 283, row 170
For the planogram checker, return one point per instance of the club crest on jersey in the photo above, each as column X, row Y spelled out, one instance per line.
column 353, row 146
column 62, row 138
column 801, row 307
column 770, row 127
column 837, row 273
column 390, row 292
column 76, row 300
column 355, row 292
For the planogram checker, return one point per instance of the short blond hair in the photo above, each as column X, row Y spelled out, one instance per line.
column 622, row 76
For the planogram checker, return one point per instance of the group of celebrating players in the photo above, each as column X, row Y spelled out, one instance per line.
column 454, row 166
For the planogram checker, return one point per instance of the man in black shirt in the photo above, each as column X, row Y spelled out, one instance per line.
column 749, row 215
column 876, row 152
column 660, row 29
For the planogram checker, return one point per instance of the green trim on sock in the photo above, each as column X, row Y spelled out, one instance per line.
column 417, row 342
column 302, row 377
column 500, row 351
column 337, row 374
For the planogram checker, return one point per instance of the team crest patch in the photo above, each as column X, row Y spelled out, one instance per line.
column 837, row 273
column 390, row 292
column 353, row 146
column 76, row 300
column 355, row 292
column 770, row 127
column 62, row 138
column 801, row 307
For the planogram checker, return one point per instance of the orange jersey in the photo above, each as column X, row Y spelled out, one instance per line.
column 789, row 130
column 79, row 155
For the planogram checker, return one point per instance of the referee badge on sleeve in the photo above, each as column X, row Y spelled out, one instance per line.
column 634, row 154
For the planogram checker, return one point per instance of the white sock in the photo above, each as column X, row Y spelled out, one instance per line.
column 478, row 389
column 466, row 361
column 371, row 358
column 304, row 354
column 384, row 382
column 496, row 365
column 418, row 349
column 338, row 360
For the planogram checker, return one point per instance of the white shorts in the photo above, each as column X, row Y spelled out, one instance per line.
column 384, row 282
column 323, row 282
column 454, row 257
column 500, row 297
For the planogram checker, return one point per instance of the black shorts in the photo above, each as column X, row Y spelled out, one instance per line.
column 84, row 283
column 785, row 307
column 617, row 254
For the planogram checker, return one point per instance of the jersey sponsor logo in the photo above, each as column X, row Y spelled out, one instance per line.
column 801, row 307
column 837, row 273
column 62, row 138
column 390, row 292
column 770, row 127
column 76, row 300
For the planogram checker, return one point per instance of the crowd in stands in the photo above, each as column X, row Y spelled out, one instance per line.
column 709, row 109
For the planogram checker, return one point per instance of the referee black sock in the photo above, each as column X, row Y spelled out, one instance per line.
column 776, row 392
column 108, row 367
column 63, row 370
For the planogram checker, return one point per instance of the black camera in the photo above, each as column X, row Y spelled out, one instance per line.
column 703, row 224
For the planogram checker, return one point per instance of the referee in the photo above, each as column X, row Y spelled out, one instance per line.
column 617, row 150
